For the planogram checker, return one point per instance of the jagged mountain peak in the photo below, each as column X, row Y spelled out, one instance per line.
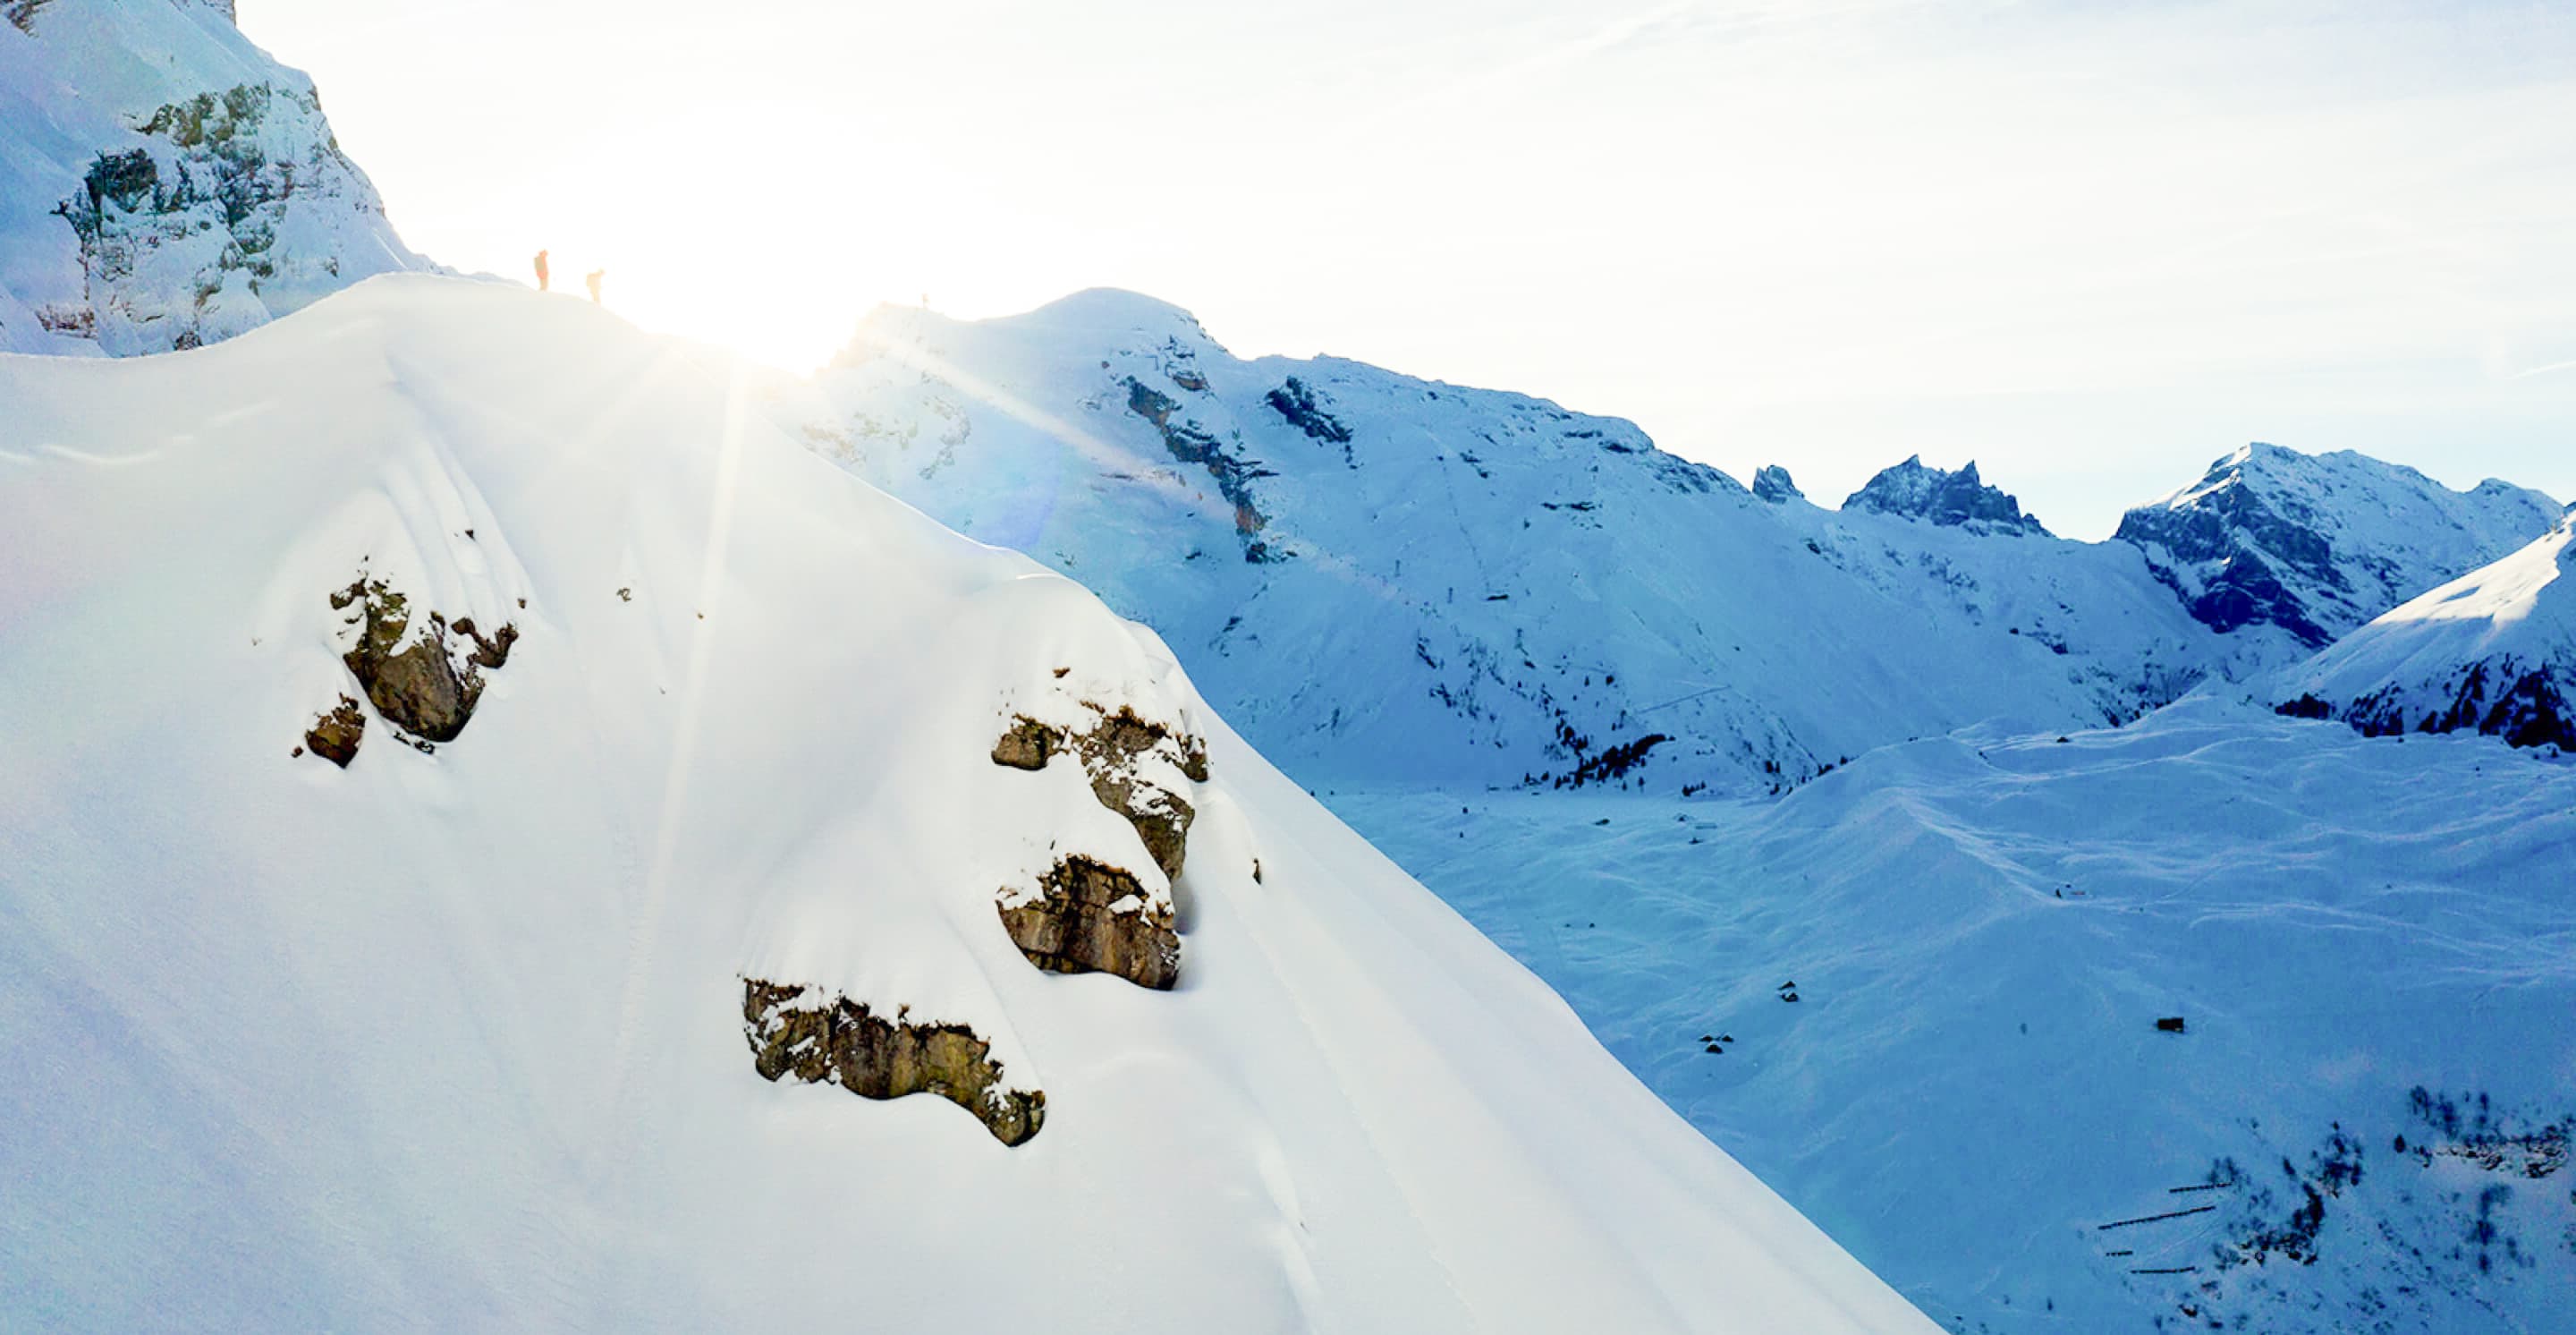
column 2307, row 547
column 1913, row 490
column 1772, row 483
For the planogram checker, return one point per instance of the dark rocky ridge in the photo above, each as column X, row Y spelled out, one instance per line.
column 818, row 1038
column 1911, row 490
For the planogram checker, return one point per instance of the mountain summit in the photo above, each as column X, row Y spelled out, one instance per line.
column 1911, row 490
column 164, row 183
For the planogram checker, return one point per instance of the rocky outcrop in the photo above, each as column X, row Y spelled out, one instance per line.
column 1086, row 913
column 336, row 732
column 2317, row 545
column 1911, row 490
column 1295, row 401
column 1118, row 754
column 1232, row 472
column 428, row 683
column 2527, row 707
column 186, row 239
column 821, row 1038
column 1089, row 917
column 1771, row 483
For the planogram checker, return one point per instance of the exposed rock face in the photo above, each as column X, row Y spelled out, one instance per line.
column 819, row 1038
column 1114, row 753
column 1938, row 496
column 22, row 13
column 2527, row 707
column 1772, row 484
column 183, row 240
column 1296, row 402
column 2319, row 544
column 1233, row 473
column 418, row 682
column 336, row 732
column 1088, row 916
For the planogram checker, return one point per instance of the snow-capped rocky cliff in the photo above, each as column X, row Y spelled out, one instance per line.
column 1379, row 576
column 1936, row 496
column 494, row 836
column 164, row 183
column 2493, row 651
column 2290, row 551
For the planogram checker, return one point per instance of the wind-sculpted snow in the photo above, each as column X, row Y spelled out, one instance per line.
column 2291, row 551
column 2361, row 1125
column 500, row 1035
column 164, row 183
column 2493, row 651
column 1384, row 577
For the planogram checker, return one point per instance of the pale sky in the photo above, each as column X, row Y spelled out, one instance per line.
column 2091, row 245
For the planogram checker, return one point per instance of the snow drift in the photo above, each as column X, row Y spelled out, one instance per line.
column 473, row 1032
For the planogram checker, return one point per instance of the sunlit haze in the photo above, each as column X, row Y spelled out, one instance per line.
column 2091, row 247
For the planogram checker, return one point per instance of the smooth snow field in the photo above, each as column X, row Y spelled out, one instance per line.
column 1970, row 1090
column 454, row 1038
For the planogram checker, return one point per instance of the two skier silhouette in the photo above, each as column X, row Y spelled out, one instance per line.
column 545, row 278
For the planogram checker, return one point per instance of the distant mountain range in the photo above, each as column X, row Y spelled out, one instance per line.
column 1379, row 576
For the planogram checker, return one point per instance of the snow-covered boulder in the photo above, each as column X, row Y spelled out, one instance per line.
column 1912, row 490
column 164, row 183
column 2493, row 651
column 612, row 1012
column 2295, row 549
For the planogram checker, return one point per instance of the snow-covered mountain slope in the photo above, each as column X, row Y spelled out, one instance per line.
column 1386, row 577
column 2493, row 651
column 1921, row 996
column 686, row 778
column 2289, row 552
column 165, row 183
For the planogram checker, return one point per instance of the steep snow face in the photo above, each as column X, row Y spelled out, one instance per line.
column 2296, row 550
column 2493, row 651
column 164, row 183
column 1382, row 577
column 555, row 1009
column 1921, row 996
column 1937, row 496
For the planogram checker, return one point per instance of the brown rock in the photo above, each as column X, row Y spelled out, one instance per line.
column 421, row 688
column 336, row 732
column 1112, row 753
column 1072, row 927
column 816, row 1038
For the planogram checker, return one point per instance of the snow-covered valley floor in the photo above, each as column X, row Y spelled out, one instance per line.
column 1970, row 1089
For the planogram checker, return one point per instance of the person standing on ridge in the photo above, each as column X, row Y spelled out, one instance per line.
column 544, row 282
column 592, row 282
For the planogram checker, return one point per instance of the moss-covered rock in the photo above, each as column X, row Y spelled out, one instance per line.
column 1090, row 917
column 817, row 1038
